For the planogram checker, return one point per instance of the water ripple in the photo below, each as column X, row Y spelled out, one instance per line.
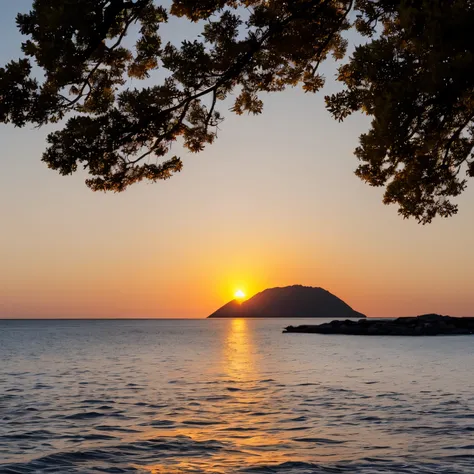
column 220, row 397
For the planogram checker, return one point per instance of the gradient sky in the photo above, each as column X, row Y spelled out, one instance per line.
column 273, row 202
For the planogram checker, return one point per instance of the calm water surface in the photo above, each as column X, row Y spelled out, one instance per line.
column 230, row 396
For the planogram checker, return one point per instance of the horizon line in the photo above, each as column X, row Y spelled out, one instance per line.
column 192, row 319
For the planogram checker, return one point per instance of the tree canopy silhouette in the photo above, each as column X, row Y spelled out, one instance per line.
column 413, row 75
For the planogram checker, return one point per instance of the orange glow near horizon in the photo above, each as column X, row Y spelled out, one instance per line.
column 282, row 208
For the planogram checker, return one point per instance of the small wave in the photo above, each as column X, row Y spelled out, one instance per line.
column 84, row 416
column 299, row 418
column 153, row 449
column 119, row 429
column 160, row 423
column 371, row 418
column 200, row 422
column 469, row 446
column 290, row 467
column 36, row 435
column 238, row 428
column 318, row 440
column 89, row 401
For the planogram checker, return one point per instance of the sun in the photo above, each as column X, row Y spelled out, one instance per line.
column 239, row 294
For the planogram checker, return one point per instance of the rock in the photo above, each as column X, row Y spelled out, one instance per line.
column 424, row 325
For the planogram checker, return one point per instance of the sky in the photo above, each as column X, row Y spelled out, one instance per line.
column 273, row 202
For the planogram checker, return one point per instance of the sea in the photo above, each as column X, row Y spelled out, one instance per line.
column 230, row 396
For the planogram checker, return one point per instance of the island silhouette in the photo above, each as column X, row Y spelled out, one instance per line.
column 296, row 301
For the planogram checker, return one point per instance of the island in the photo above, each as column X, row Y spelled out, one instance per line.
column 296, row 301
column 423, row 325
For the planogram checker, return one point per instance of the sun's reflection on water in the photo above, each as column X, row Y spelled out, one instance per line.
column 239, row 409
column 238, row 357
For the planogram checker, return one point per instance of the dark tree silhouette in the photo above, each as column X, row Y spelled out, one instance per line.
column 413, row 76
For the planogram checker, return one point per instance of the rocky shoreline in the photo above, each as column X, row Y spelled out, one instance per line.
column 424, row 325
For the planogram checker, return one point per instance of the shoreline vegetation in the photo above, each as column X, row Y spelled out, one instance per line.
column 423, row 325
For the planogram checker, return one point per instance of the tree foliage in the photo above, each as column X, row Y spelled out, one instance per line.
column 413, row 75
column 417, row 82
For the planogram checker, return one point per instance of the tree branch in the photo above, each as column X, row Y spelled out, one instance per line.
column 99, row 63
column 453, row 137
column 331, row 37
column 255, row 45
